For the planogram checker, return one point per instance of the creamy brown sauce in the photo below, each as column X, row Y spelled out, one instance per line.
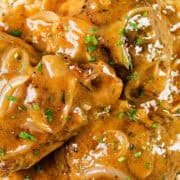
column 98, row 79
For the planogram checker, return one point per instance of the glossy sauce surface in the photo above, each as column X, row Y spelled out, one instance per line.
column 106, row 72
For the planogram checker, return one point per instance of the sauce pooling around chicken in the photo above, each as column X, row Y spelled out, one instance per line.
column 98, row 79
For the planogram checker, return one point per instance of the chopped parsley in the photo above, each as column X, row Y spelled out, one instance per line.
column 139, row 41
column 35, row 107
column 134, row 25
column 25, row 135
column 145, row 14
column 49, row 115
column 91, row 48
column 22, row 108
column 137, row 154
column 39, row 67
column 27, row 178
column 93, row 30
column 16, row 56
column 111, row 62
column 2, row 153
column 63, row 97
column 16, row 33
column 14, row 117
column 155, row 125
column 178, row 111
column 148, row 165
column 134, row 76
column 67, row 28
column 68, row 118
column 132, row 114
column 92, row 59
column 120, row 115
column 130, row 64
column 121, row 159
column 51, row 98
column 11, row 98
column 101, row 139
column 91, row 39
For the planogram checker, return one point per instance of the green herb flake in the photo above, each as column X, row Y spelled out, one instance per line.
column 143, row 148
column 111, row 62
column 14, row 117
column 134, row 76
column 139, row 41
column 16, row 56
column 128, row 178
column 131, row 67
column 39, row 67
column 68, row 118
column 27, row 178
column 11, row 98
column 2, row 152
column 145, row 14
column 121, row 115
column 51, row 98
column 137, row 154
column 92, row 59
column 22, row 108
column 91, row 39
column 134, row 25
column 63, row 97
column 121, row 159
column 25, row 135
column 148, row 165
column 155, row 125
column 101, row 139
column 49, row 115
column 91, row 49
column 93, row 30
column 178, row 111
column 67, row 28
column 132, row 114
column 16, row 33
column 35, row 107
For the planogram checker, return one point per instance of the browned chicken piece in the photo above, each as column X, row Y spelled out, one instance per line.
column 40, row 107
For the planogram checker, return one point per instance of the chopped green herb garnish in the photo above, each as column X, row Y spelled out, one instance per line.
column 134, row 76
column 36, row 107
column 44, row 53
column 11, row 98
column 67, row 28
column 120, row 115
column 151, row 79
column 143, row 148
column 39, row 67
column 68, row 118
column 141, row 92
column 128, row 178
column 51, row 98
column 22, row 108
column 27, row 178
column 63, row 97
column 145, row 14
column 148, row 165
column 134, row 25
column 93, row 30
column 132, row 114
column 139, row 41
column 111, row 62
column 137, row 154
column 25, row 135
column 178, row 111
column 16, row 33
column 101, row 139
column 16, row 56
column 91, row 49
column 2, row 152
column 92, row 59
column 127, row 17
column 130, row 64
column 155, row 125
column 49, row 115
column 91, row 39
column 13, row 116
column 160, row 103
column 121, row 159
